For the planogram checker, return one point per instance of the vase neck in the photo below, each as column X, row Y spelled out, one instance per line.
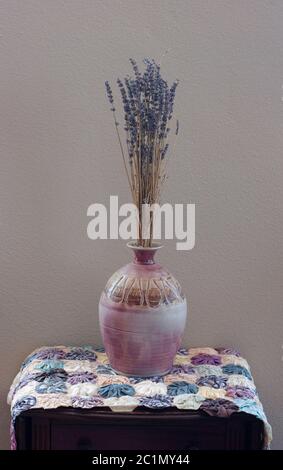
column 144, row 255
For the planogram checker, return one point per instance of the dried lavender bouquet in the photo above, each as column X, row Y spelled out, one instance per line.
column 148, row 103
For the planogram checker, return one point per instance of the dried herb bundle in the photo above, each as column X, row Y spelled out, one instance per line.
column 148, row 104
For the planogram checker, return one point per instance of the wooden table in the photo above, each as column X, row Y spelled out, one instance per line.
column 142, row 429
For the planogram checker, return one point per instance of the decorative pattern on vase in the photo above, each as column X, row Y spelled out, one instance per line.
column 142, row 314
column 149, row 292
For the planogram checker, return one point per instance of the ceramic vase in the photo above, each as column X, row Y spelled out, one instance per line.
column 142, row 316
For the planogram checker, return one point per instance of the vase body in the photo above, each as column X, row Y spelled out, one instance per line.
column 142, row 316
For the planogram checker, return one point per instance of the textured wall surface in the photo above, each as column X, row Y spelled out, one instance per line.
column 59, row 154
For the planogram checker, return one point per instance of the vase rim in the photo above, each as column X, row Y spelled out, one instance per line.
column 155, row 246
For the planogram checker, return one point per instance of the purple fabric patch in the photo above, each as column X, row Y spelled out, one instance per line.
column 229, row 351
column 221, row 407
column 157, row 401
column 182, row 369
column 81, row 377
column 240, row 392
column 202, row 358
column 213, row 381
column 50, row 353
column 81, row 354
column 89, row 402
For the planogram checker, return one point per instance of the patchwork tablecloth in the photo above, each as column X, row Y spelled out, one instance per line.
column 217, row 381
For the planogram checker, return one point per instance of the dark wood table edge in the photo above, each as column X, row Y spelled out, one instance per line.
column 43, row 418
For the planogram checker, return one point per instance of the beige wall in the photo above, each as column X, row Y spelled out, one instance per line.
column 59, row 154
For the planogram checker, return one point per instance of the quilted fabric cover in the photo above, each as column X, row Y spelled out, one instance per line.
column 215, row 380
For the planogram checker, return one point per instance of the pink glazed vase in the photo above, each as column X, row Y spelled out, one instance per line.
column 142, row 316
